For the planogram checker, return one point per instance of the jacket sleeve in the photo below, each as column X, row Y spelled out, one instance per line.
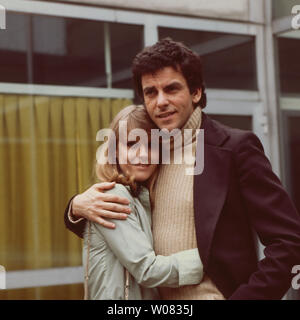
column 135, row 252
column 274, row 218
column 78, row 227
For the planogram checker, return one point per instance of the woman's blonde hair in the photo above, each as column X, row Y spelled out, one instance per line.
column 136, row 116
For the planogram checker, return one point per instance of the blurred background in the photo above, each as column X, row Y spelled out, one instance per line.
column 65, row 71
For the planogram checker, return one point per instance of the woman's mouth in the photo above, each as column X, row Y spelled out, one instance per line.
column 142, row 165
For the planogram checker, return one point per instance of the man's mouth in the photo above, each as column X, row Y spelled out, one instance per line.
column 165, row 115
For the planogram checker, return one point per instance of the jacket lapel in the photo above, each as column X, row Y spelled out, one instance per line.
column 210, row 187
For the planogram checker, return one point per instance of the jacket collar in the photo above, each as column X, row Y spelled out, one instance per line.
column 214, row 134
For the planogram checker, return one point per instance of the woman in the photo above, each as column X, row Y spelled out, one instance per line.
column 121, row 263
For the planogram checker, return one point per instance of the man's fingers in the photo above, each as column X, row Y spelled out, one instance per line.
column 109, row 197
column 104, row 185
column 111, row 215
column 115, row 207
column 104, row 223
column 114, row 198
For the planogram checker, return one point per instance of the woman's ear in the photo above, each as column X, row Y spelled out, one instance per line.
column 196, row 96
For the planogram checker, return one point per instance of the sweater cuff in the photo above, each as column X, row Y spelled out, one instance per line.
column 190, row 267
column 70, row 215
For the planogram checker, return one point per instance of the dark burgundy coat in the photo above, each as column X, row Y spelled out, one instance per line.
column 236, row 196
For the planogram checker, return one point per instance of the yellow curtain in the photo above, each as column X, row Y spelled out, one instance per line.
column 47, row 152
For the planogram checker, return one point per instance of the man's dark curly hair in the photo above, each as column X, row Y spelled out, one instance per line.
column 168, row 53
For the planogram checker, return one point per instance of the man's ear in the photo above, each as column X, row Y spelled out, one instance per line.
column 196, row 96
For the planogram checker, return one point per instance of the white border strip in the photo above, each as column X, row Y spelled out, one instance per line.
column 44, row 277
column 66, row 91
column 54, row 90
column 239, row 102
column 234, row 108
column 124, row 16
column 59, row 10
column 225, row 94
column 289, row 103
column 205, row 25
column 232, row 102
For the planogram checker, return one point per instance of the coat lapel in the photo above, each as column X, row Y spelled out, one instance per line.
column 210, row 187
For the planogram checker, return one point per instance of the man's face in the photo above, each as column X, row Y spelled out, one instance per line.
column 168, row 99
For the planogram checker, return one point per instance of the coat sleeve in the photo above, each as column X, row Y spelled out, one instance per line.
column 78, row 227
column 274, row 218
column 135, row 252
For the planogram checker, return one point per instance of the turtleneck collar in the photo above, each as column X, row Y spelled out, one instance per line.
column 191, row 126
column 194, row 121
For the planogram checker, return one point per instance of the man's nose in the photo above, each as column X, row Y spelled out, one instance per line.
column 162, row 100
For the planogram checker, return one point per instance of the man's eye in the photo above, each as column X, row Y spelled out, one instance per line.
column 172, row 89
column 149, row 93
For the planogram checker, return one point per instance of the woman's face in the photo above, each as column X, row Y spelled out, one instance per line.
column 136, row 158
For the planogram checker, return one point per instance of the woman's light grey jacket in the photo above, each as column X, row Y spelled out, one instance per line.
column 130, row 245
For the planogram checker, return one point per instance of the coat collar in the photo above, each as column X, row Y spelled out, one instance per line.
column 214, row 134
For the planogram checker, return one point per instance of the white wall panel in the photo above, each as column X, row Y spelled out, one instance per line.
column 229, row 9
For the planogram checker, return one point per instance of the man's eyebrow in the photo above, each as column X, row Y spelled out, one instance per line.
column 168, row 86
column 148, row 88
column 173, row 84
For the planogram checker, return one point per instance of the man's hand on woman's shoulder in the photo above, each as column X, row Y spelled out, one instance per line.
column 96, row 205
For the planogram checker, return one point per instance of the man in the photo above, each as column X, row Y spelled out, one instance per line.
column 217, row 210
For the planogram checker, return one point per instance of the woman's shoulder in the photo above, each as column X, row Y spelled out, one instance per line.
column 118, row 190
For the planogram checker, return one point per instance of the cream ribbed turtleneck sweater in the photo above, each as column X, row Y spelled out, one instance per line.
column 173, row 220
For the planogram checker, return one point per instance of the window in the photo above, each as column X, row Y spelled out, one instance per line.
column 126, row 42
column 68, row 51
column 14, row 49
column 289, row 63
